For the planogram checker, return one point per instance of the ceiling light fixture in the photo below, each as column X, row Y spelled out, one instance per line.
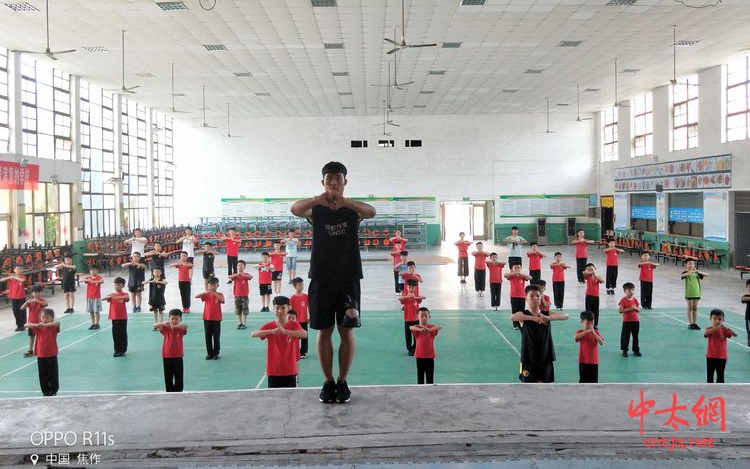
column 171, row 6
column 21, row 6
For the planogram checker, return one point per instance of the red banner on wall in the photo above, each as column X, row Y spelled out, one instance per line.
column 17, row 176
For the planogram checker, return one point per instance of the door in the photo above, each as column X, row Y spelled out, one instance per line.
column 4, row 231
column 742, row 239
column 607, row 204
column 481, row 220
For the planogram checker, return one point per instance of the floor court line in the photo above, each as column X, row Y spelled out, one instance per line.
column 260, row 383
column 61, row 332
column 502, row 335
column 683, row 322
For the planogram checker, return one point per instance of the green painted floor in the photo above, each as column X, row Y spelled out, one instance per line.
column 474, row 347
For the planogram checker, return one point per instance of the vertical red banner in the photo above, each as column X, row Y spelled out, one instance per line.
column 16, row 176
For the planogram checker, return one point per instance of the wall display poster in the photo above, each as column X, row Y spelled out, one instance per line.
column 407, row 207
column 622, row 211
column 661, row 213
column 518, row 206
column 686, row 214
column 711, row 172
column 716, row 215
column 643, row 212
column 17, row 176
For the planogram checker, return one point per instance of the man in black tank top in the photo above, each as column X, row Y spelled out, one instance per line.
column 335, row 271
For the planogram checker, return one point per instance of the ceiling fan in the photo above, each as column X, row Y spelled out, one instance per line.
column 49, row 53
column 172, row 109
column 386, row 121
column 548, row 131
column 673, row 81
column 617, row 103
column 229, row 131
column 396, row 84
column 124, row 89
column 205, row 125
column 403, row 45
column 387, row 102
column 578, row 105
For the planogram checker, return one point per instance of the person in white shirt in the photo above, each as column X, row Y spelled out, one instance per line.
column 291, row 244
column 137, row 242
column 188, row 244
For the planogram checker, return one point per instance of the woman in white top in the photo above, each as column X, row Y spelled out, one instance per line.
column 188, row 244
column 137, row 242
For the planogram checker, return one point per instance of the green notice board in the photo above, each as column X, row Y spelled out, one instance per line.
column 420, row 207
column 568, row 205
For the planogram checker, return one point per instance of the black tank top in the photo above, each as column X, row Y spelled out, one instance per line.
column 335, row 244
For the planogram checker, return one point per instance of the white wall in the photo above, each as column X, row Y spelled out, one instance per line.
column 475, row 156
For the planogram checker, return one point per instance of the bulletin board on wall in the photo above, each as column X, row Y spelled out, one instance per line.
column 622, row 211
column 522, row 206
column 710, row 172
column 408, row 207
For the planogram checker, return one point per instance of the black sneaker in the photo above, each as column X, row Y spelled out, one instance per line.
column 328, row 392
column 217, row 357
column 28, row 353
column 96, row 326
column 19, row 329
column 91, row 327
column 624, row 353
column 343, row 394
column 637, row 354
column 209, row 357
column 239, row 326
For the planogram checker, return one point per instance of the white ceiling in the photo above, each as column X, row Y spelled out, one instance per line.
column 281, row 43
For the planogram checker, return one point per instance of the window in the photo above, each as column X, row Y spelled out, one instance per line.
column 359, row 143
column 412, row 143
column 134, row 166
column 643, row 212
column 385, row 143
column 97, row 161
column 48, row 214
column 4, row 106
column 643, row 125
column 163, row 154
column 686, row 214
column 685, row 114
column 28, row 106
column 738, row 100
column 609, row 134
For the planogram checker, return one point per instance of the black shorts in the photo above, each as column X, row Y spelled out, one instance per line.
column 69, row 287
column 207, row 275
column 276, row 275
column 327, row 301
column 265, row 288
column 135, row 289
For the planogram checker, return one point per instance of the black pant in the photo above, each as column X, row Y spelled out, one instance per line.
column 592, row 304
column 213, row 334
column 535, row 275
column 747, row 328
column 18, row 313
column 396, row 276
column 120, row 335
column 463, row 266
column 718, row 365
column 303, row 342
column 411, row 341
column 479, row 279
column 288, row 381
column 516, row 305
column 173, row 374
column 630, row 328
column 425, row 370
column 232, row 265
column 495, row 290
column 513, row 260
column 580, row 267
column 558, row 289
column 611, row 282
column 647, row 289
column 48, row 375
column 184, row 294
column 588, row 373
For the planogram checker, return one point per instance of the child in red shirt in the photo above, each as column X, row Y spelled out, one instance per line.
column 588, row 340
column 94, row 295
column 281, row 358
column 241, row 292
column 716, row 352
column 184, row 279
column 646, row 277
column 277, row 259
column 299, row 303
column 398, row 239
column 517, row 291
column 17, row 295
column 545, row 301
column 612, row 253
column 425, row 334
column 265, row 277
column 34, row 306
column 592, row 291
column 232, row 243
column 582, row 254
column 558, row 280
column 45, row 349
column 535, row 261
column 118, row 314
column 496, row 279
column 628, row 307
column 463, row 256
column 212, row 301
column 480, row 269
column 396, row 255
column 172, row 350
column 411, row 274
column 410, row 305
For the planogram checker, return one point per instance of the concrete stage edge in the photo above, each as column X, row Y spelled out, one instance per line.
column 398, row 424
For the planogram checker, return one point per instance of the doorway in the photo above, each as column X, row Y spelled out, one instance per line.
column 475, row 218
column 607, row 203
column 4, row 231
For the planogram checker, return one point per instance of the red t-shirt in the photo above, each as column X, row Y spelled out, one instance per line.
column 409, row 276
column 118, row 309
column 46, row 342
column 93, row 290
column 411, row 308
column 545, row 308
column 172, row 347
column 277, row 259
column 535, row 260
column 588, row 349
column 211, row 308
column 240, row 285
column 717, row 343
column 631, row 316
column 281, row 359
column 582, row 250
column 233, row 246
column 34, row 312
column 425, row 343
column 398, row 240
column 264, row 273
column 647, row 272
column 183, row 273
column 592, row 285
column 558, row 273
column 463, row 249
column 480, row 260
column 17, row 289
column 612, row 257
column 496, row 272
column 299, row 303
column 517, row 285
column 396, row 255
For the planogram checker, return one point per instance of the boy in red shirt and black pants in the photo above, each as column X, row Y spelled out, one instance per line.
column 496, row 279
column 281, row 359
column 424, row 334
column 45, row 349
column 480, row 269
column 535, row 261
column 118, row 314
column 612, row 253
column 582, row 253
column 172, row 350
column 410, row 304
column 463, row 256
column 628, row 307
column 232, row 243
column 299, row 303
column 517, row 291
column 592, row 291
column 17, row 295
column 647, row 279
column 212, row 301
column 588, row 340
column 716, row 352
